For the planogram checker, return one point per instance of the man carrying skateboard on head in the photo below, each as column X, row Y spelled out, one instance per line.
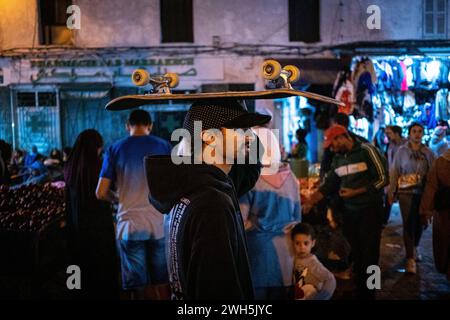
column 206, row 245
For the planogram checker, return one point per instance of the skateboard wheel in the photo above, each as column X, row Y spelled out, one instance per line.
column 173, row 78
column 140, row 77
column 293, row 73
column 271, row 69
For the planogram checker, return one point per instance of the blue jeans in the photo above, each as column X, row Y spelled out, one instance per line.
column 143, row 262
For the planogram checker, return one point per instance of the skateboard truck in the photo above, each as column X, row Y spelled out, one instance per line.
column 160, row 84
column 279, row 78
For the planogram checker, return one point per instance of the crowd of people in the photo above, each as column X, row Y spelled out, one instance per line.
column 216, row 230
column 20, row 167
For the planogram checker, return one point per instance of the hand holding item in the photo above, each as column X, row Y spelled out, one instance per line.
column 305, row 292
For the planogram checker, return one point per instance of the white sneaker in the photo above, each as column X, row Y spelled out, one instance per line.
column 411, row 266
column 418, row 255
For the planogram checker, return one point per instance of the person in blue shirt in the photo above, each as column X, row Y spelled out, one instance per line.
column 31, row 157
column 140, row 231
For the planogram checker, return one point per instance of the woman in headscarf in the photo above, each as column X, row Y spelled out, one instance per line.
column 90, row 226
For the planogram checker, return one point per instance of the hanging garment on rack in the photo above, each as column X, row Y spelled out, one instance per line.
column 368, row 64
column 443, row 104
column 359, row 69
column 404, row 84
column 444, row 73
column 397, row 100
column 428, row 117
column 410, row 76
column 341, row 77
column 416, row 70
column 365, row 82
column 384, row 75
column 432, row 70
column 409, row 99
column 397, row 75
column 346, row 94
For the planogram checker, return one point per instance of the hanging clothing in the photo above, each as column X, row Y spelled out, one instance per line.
column 444, row 73
column 409, row 99
column 404, row 84
column 384, row 76
column 443, row 104
column 346, row 95
column 410, row 76
column 428, row 116
column 397, row 75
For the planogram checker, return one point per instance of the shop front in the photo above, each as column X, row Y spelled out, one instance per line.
column 396, row 90
column 46, row 102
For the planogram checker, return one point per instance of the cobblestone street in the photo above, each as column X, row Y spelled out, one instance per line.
column 426, row 284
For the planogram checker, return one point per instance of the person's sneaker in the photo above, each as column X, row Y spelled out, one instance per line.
column 418, row 255
column 411, row 266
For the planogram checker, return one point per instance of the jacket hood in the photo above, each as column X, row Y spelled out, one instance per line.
column 168, row 182
column 278, row 179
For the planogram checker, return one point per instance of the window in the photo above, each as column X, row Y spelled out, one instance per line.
column 435, row 18
column 53, row 18
column 176, row 21
column 36, row 99
column 304, row 20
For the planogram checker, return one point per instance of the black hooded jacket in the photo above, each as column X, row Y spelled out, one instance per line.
column 206, row 245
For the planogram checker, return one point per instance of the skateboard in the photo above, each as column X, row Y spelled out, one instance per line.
column 279, row 86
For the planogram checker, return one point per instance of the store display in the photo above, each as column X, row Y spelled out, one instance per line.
column 404, row 89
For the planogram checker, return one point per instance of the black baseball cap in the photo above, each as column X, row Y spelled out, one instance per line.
column 223, row 113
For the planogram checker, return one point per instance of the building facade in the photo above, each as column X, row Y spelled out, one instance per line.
column 55, row 82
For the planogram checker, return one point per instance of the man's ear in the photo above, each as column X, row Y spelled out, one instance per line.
column 208, row 138
column 127, row 126
column 150, row 127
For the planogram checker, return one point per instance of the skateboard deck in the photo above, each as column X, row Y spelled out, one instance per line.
column 133, row 101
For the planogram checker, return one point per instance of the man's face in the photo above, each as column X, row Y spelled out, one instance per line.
column 339, row 144
column 390, row 134
column 416, row 134
column 236, row 143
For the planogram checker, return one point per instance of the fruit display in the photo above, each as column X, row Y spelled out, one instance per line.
column 31, row 208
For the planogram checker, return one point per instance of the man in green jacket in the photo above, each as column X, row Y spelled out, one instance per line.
column 359, row 173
